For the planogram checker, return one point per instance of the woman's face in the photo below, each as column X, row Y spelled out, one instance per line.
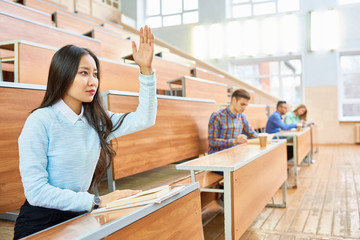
column 301, row 111
column 84, row 86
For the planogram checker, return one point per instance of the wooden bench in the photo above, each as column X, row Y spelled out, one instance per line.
column 167, row 55
column 252, row 175
column 199, row 88
column 43, row 5
column 12, row 27
column 271, row 110
column 25, row 12
column 78, row 25
column 205, row 74
column 23, row 54
column 112, row 47
column 257, row 115
column 154, row 221
column 88, row 17
column 17, row 101
column 180, row 133
column 166, row 70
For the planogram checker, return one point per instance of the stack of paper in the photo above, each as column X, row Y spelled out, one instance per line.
column 155, row 195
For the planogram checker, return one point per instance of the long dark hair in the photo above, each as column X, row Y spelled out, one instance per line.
column 63, row 69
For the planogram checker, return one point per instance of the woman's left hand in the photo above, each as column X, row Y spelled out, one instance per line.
column 144, row 56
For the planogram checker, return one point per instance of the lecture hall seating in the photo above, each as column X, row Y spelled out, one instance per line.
column 180, row 132
column 25, row 12
column 199, row 88
column 17, row 101
column 42, row 34
column 205, row 74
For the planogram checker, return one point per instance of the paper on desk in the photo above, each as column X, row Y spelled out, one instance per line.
column 255, row 141
column 173, row 192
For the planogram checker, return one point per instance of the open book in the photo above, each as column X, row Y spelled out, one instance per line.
column 155, row 195
column 140, row 197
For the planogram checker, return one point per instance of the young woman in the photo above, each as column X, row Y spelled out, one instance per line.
column 64, row 144
column 299, row 115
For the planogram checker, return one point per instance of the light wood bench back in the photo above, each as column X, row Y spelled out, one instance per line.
column 12, row 27
column 180, row 132
column 25, row 12
column 16, row 104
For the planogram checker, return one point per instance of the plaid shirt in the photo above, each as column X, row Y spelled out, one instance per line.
column 224, row 127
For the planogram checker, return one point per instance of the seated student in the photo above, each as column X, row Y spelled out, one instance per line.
column 229, row 126
column 64, row 145
column 275, row 123
column 297, row 116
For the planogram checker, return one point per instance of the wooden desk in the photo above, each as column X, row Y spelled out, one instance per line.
column 17, row 101
column 179, row 217
column 301, row 145
column 314, row 139
column 199, row 88
column 251, row 177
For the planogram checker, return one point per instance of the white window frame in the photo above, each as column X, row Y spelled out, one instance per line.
column 345, row 4
column 174, row 14
column 112, row 3
column 230, row 5
column 341, row 99
column 279, row 75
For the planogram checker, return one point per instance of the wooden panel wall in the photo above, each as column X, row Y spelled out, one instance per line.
column 34, row 64
column 206, row 90
column 303, row 145
column 259, row 179
column 178, row 220
column 167, row 71
column 16, row 105
column 180, row 132
column 18, row 10
column 13, row 28
column 257, row 116
column 208, row 75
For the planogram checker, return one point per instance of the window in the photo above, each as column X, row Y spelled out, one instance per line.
column 248, row 8
column 279, row 78
column 164, row 13
column 112, row 3
column 344, row 2
column 349, row 87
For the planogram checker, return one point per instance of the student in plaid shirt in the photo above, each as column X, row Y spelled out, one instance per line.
column 229, row 127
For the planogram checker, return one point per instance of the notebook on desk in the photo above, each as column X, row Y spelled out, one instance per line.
column 155, row 195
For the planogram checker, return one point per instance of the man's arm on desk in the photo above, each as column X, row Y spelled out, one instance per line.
column 278, row 123
column 214, row 135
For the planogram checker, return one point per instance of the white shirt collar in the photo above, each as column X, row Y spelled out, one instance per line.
column 65, row 110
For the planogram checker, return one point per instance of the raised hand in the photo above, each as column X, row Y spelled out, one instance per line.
column 144, row 56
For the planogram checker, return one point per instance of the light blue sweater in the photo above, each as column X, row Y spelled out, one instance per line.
column 58, row 158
